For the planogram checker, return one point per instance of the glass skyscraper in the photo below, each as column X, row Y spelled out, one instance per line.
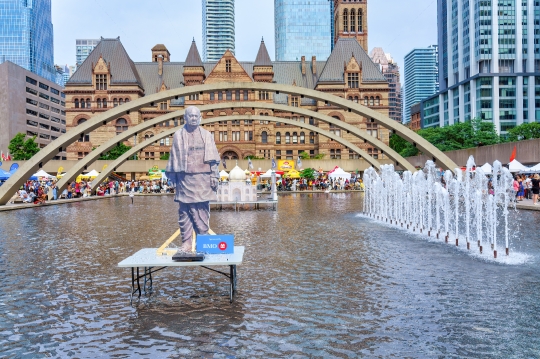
column 490, row 63
column 218, row 28
column 303, row 28
column 421, row 77
column 83, row 48
column 26, row 36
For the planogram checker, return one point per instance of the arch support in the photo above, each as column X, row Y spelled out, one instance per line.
column 110, row 168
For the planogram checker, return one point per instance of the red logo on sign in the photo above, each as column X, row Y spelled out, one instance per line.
column 222, row 246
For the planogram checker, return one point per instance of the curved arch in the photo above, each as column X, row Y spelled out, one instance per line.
column 59, row 145
column 134, row 150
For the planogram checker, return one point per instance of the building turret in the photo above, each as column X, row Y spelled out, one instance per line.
column 263, row 70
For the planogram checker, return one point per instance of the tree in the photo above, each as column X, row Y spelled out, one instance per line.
column 115, row 152
column 22, row 149
column 308, row 173
column 251, row 157
column 165, row 157
column 304, row 155
column 525, row 131
column 319, row 156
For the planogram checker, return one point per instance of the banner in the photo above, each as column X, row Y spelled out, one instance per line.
column 285, row 165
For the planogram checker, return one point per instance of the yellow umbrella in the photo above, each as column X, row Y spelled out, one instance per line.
column 293, row 174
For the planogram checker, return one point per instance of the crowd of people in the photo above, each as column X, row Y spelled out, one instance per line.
column 527, row 187
column 38, row 192
column 319, row 183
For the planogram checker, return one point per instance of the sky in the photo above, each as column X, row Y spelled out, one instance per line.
column 395, row 25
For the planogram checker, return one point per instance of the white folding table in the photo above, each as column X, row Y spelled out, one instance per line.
column 148, row 259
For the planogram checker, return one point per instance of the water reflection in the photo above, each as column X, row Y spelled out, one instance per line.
column 317, row 281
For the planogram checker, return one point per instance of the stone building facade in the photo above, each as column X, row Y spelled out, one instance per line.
column 108, row 77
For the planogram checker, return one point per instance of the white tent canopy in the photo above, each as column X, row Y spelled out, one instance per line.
column 223, row 174
column 42, row 173
column 487, row 168
column 515, row 166
column 339, row 173
column 268, row 174
column 534, row 169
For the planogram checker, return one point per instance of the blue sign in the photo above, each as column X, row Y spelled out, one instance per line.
column 215, row 244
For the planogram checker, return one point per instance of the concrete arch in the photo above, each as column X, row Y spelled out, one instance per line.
column 60, row 144
column 114, row 165
column 144, row 127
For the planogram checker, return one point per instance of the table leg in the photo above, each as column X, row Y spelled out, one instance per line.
column 138, row 282
column 148, row 279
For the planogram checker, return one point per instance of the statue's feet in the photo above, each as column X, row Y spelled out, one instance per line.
column 187, row 246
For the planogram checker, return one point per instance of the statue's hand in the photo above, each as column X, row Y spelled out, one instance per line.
column 214, row 183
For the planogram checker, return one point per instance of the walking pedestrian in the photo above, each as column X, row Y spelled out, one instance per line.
column 535, row 188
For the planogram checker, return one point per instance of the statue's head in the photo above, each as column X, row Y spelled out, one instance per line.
column 192, row 116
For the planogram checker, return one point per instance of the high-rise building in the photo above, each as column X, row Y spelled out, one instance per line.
column 218, row 28
column 421, row 77
column 490, row 63
column 83, row 48
column 26, row 36
column 390, row 70
column 350, row 21
column 303, row 28
column 31, row 105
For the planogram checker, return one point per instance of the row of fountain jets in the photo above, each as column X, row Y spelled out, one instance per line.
column 462, row 205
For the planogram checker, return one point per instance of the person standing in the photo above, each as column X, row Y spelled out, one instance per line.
column 535, row 182
column 193, row 170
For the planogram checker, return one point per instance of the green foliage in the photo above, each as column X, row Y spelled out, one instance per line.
column 525, row 131
column 115, row 152
column 397, row 143
column 254, row 158
column 459, row 136
column 304, row 155
column 308, row 173
column 165, row 157
column 21, row 149
column 320, row 156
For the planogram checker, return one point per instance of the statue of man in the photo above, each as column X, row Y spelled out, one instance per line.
column 193, row 169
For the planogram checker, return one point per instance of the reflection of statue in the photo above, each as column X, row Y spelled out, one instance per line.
column 193, row 169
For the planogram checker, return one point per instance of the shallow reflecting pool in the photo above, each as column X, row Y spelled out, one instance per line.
column 318, row 280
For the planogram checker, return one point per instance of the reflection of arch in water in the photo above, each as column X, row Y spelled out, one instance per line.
column 60, row 144
column 116, row 163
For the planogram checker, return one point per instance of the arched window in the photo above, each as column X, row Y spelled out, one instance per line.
column 360, row 23
column 312, row 137
column 88, row 102
column 121, row 125
column 82, row 103
column 295, row 137
column 76, row 103
column 365, row 101
column 371, row 101
column 287, row 137
column 350, row 98
column 86, row 137
column 355, row 99
column 345, row 20
column 302, row 137
column 278, row 138
column 335, row 129
column 115, row 102
column 121, row 101
column 104, row 103
column 353, row 20
column 264, row 137
column 126, row 100
column 148, row 135
column 377, row 101
column 98, row 102
column 162, row 142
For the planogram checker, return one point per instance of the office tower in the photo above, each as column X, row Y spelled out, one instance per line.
column 490, row 59
column 421, row 77
column 218, row 28
column 302, row 28
column 390, row 70
column 83, row 48
column 31, row 105
column 350, row 21
column 26, row 36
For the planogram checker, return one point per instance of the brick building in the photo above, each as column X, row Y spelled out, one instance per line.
column 108, row 77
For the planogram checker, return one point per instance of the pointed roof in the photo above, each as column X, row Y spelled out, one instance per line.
column 263, row 59
column 123, row 70
column 159, row 47
column 342, row 53
column 193, row 58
